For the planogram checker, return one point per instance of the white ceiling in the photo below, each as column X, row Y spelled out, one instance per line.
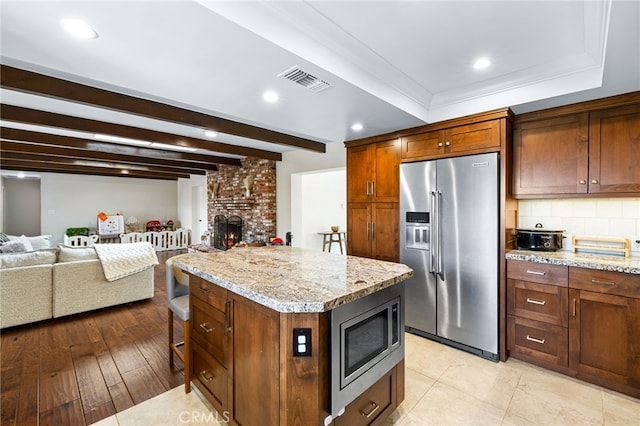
column 392, row 64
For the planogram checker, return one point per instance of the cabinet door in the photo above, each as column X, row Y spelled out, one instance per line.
column 385, row 236
column 386, row 171
column 359, row 171
column 604, row 337
column 256, row 368
column 423, row 145
column 477, row 137
column 614, row 150
column 359, row 229
column 551, row 156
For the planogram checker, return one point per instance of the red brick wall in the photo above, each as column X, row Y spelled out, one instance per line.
column 258, row 211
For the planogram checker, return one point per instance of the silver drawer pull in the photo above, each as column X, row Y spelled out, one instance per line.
column 536, row 302
column 603, row 282
column 535, row 272
column 204, row 290
column 535, row 339
column 206, row 328
column 374, row 408
column 207, row 377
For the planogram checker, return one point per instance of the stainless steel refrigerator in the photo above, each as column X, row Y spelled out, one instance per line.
column 449, row 218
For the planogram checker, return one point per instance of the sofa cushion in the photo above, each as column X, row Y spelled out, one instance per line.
column 31, row 258
column 13, row 247
column 23, row 239
column 72, row 254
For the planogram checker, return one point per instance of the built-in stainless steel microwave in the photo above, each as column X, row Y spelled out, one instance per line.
column 367, row 341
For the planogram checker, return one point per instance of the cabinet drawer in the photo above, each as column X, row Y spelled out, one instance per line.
column 542, row 273
column 211, row 376
column 367, row 407
column 209, row 293
column 617, row 283
column 540, row 340
column 540, row 302
column 208, row 329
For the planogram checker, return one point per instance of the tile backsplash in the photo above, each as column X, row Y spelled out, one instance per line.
column 602, row 217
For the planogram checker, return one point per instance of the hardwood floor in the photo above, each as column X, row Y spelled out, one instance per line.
column 82, row 368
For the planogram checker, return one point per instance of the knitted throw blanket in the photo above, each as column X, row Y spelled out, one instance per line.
column 121, row 260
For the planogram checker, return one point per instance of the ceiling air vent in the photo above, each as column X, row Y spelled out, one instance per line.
column 305, row 79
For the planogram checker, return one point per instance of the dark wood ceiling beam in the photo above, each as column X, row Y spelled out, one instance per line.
column 18, row 151
column 31, row 82
column 34, row 166
column 44, row 118
column 199, row 160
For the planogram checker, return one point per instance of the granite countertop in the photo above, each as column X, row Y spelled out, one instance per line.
column 629, row 265
column 289, row 279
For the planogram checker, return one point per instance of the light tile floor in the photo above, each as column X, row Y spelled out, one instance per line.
column 445, row 386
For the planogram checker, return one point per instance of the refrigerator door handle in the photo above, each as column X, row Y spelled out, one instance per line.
column 439, row 231
column 433, row 241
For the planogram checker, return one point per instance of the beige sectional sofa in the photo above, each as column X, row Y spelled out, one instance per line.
column 56, row 282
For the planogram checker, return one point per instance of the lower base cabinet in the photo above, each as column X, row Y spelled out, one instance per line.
column 242, row 362
column 375, row 405
column 588, row 328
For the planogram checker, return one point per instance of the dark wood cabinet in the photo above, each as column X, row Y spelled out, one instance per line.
column 373, row 172
column 581, row 322
column 375, row 405
column 604, row 328
column 537, row 312
column 470, row 138
column 614, row 151
column 551, row 156
column 373, row 182
column 590, row 152
column 373, row 230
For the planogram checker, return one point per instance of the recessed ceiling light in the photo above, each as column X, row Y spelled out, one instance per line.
column 78, row 28
column 481, row 63
column 356, row 127
column 270, row 96
column 210, row 133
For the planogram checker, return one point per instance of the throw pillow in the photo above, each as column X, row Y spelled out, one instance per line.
column 72, row 254
column 24, row 240
column 12, row 247
column 40, row 257
column 4, row 238
column 40, row 242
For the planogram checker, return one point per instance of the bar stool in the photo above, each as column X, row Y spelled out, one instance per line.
column 178, row 304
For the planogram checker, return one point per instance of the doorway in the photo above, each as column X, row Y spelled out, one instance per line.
column 21, row 206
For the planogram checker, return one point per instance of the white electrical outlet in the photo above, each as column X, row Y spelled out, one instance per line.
column 635, row 244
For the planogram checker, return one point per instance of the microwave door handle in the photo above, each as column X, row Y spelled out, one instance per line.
column 439, row 219
column 433, row 242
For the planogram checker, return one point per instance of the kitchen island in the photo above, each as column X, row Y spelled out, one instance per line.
column 247, row 303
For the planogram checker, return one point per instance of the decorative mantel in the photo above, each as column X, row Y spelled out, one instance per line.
column 248, row 191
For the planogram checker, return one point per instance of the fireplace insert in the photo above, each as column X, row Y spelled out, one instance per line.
column 227, row 231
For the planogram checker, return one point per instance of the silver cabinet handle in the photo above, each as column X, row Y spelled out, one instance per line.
column 535, row 272
column 373, row 231
column 368, row 231
column 603, row 282
column 206, row 328
column 594, row 181
column 535, row 339
column 582, row 182
column 439, row 144
column 447, row 143
column 575, row 302
column 227, row 315
column 374, row 408
column 536, row 302
column 373, row 188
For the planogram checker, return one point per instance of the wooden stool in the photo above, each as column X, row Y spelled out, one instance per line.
column 328, row 239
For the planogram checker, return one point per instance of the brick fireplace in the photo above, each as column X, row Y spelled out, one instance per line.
column 227, row 195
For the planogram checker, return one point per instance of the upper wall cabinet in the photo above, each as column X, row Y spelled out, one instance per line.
column 467, row 139
column 373, row 172
column 581, row 154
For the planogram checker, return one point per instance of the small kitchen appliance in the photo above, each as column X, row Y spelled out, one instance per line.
column 539, row 239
